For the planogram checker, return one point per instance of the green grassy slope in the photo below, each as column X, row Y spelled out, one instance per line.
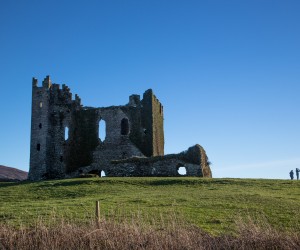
column 213, row 204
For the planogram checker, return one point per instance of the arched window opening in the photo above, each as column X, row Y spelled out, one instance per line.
column 40, row 125
column 182, row 171
column 102, row 130
column 103, row 174
column 38, row 147
column 66, row 133
column 124, row 126
column 61, row 158
column 41, row 104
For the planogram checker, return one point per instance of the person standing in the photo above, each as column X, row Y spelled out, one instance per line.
column 297, row 173
column 292, row 175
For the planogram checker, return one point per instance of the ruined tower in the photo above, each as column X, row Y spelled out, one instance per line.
column 51, row 114
column 66, row 142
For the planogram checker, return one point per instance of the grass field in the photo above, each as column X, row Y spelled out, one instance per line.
column 212, row 204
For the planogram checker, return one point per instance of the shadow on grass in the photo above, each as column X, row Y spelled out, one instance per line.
column 12, row 184
column 178, row 181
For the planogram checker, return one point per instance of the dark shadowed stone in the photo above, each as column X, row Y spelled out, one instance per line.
column 193, row 154
column 197, row 155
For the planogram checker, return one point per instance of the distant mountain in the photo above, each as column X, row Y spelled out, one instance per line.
column 12, row 174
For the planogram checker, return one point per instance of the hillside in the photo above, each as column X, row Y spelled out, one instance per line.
column 215, row 205
column 12, row 174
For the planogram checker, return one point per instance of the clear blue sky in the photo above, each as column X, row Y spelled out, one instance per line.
column 227, row 72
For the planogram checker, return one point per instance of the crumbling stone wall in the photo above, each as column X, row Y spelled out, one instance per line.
column 194, row 160
column 133, row 132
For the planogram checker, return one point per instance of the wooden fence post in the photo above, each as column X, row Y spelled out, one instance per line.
column 98, row 211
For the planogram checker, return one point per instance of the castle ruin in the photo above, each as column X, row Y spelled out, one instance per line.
column 65, row 139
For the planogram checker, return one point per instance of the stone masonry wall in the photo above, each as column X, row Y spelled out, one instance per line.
column 51, row 114
column 152, row 122
column 39, row 129
column 194, row 160
column 83, row 139
column 116, row 145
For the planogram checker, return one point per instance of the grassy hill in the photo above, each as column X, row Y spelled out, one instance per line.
column 12, row 174
column 215, row 205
